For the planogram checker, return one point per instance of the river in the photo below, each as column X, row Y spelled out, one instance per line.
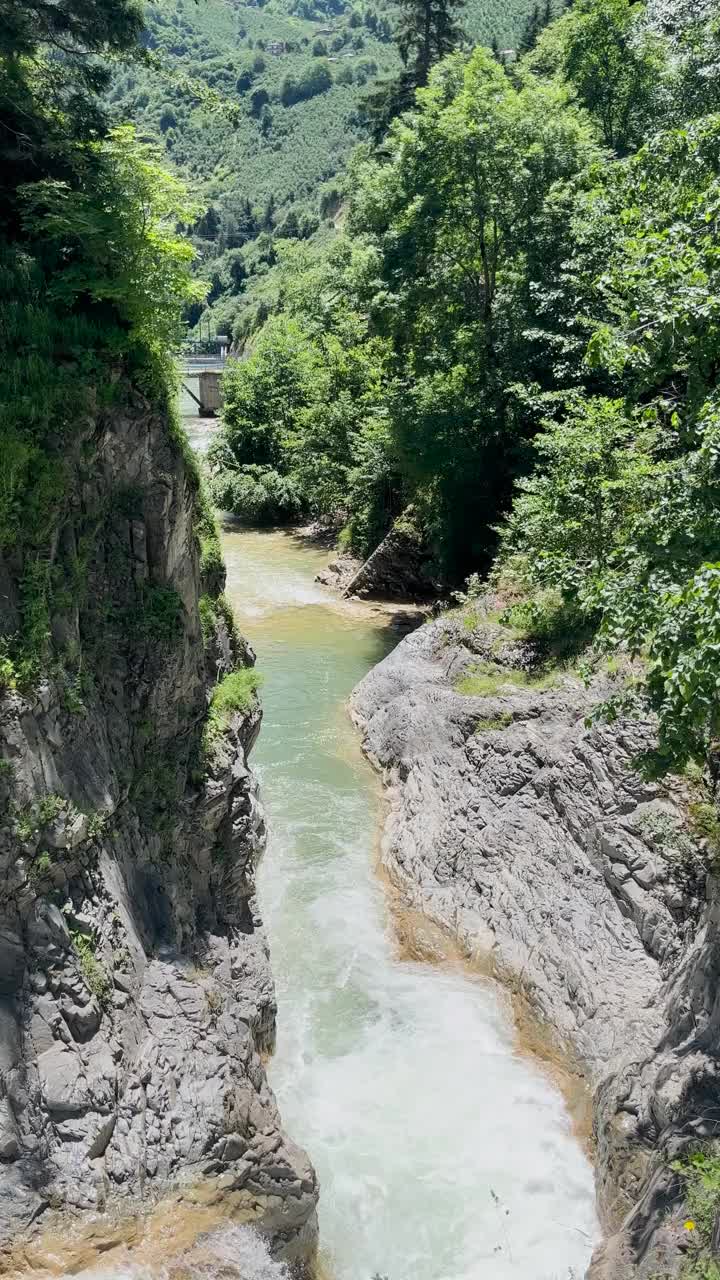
column 443, row 1153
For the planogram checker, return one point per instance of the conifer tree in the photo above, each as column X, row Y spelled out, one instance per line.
column 533, row 27
column 428, row 31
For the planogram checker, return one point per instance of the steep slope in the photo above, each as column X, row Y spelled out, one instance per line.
column 259, row 108
column 529, row 834
column 135, row 993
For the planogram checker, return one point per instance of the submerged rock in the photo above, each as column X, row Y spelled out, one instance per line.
column 528, row 832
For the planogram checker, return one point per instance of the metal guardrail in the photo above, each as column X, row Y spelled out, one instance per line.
column 195, row 364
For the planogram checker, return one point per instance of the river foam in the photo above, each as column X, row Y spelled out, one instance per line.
column 443, row 1154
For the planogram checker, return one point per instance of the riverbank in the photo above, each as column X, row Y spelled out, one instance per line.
column 573, row 880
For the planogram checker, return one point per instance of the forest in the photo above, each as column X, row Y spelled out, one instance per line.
column 259, row 107
column 513, row 347
column 509, row 342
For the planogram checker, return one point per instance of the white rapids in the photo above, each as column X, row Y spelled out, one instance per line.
column 443, row 1153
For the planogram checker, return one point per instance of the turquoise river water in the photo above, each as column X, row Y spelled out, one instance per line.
column 443, row 1153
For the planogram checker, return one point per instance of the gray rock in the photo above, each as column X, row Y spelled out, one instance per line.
column 12, row 961
column 132, row 1021
column 400, row 568
column 526, row 830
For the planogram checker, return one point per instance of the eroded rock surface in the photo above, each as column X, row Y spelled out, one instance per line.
column 135, row 991
column 400, row 568
column 530, row 834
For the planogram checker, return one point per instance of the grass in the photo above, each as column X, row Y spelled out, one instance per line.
column 700, row 1173
column 236, row 694
column 215, row 1002
column 40, row 867
column 487, row 678
column 669, row 835
column 494, row 723
column 97, row 823
column 96, row 978
column 28, row 821
column 705, row 824
column 211, row 557
column 49, row 808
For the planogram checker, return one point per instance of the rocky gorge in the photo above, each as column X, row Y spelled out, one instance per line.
column 136, row 1000
column 521, row 824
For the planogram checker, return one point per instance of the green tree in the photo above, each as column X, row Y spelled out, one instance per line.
column 615, row 65
column 262, row 397
column 73, row 28
column 623, row 513
column 470, row 218
column 427, row 32
column 594, row 475
column 95, row 278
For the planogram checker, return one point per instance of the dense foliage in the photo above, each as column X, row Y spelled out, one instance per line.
column 259, row 108
column 93, row 271
column 526, row 295
column 442, row 295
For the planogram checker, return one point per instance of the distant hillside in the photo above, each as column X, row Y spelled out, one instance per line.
column 258, row 107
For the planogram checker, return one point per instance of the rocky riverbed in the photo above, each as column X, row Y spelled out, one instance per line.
column 529, row 833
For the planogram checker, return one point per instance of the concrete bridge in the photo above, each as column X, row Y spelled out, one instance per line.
column 200, row 378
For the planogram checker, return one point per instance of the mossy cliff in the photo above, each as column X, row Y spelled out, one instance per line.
column 135, row 992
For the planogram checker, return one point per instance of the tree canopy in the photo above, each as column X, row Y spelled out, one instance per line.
column 518, row 335
column 95, row 274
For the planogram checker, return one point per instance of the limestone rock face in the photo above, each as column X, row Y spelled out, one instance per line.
column 400, row 568
column 136, row 997
column 529, row 833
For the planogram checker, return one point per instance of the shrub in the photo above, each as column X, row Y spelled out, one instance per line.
column 555, row 624
column 235, row 694
column 159, row 616
column 258, row 495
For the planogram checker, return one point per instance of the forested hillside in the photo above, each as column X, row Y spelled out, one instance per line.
column 95, row 278
column 259, row 108
column 522, row 316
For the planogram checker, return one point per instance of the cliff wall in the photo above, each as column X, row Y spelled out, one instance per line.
column 136, row 999
column 529, row 833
